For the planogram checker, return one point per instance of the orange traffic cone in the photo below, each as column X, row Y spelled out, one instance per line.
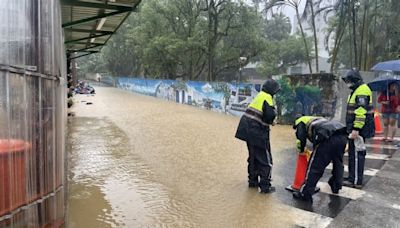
column 377, row 121
column 300, row 173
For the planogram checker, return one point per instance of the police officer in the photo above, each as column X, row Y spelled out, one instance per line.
column 359, row 122
column 329, row 142
column 254, row 129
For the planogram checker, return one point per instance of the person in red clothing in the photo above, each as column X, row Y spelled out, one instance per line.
column 390, row 102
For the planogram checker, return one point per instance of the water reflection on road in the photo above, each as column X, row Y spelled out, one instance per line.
column 139, row 161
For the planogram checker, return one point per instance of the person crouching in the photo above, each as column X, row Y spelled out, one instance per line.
column 329, row 139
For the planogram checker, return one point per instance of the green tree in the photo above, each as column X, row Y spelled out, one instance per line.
column 90, row 64
column 194, row 39
column 281, row 55
column 295, row 4
column 243, row 39
column 277, row 27
column 281, row 50
column 285, row 100
column 197, row 40
column 364, row 32
column 119, row 56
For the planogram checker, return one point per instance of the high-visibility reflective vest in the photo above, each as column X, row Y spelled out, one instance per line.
column 305, row 119
column 255, row 108
column 360, row 111
column 318, row 129
column 258, row 101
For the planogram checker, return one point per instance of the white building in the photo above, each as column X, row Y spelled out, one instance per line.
column 321, row 26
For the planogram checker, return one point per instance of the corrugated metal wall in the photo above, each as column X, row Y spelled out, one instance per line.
column 32, row 114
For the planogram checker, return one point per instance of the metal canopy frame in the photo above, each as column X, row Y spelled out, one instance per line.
column 89, row 24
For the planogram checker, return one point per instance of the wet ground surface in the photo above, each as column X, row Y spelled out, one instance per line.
column 139, row 161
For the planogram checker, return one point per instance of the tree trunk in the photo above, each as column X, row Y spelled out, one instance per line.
column 336, row 48
column 350, row 39
column 366, row 35
column 338, row 36
column 372, row 40
column 210, row 49
column 353, row 10
column 315, row 36
column 362, row 38
column 214, row 43
column 304, row 39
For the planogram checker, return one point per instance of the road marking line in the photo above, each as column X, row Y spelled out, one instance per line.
column 350, row 193
column 374, row 156
column 305, row 218
column 381, row 138
column 396, row 206
column 381, row 146
column 367, row 171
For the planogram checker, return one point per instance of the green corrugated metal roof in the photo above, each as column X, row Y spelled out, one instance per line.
column 89, row 24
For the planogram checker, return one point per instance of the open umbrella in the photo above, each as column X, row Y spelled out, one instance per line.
column 392, row 65
column 382, row 83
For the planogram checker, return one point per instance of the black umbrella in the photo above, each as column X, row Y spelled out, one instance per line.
column 382, row 83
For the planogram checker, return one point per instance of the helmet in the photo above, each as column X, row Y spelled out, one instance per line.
column 352, row 76
column 271, row 86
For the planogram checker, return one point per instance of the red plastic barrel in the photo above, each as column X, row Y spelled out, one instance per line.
column 12, row 174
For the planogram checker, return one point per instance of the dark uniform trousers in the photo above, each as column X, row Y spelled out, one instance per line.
column 330, row 150
column 356, row 164
column 259, row 165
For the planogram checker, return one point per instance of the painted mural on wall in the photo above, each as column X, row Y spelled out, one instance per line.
column 217, row 96
column 298, row 95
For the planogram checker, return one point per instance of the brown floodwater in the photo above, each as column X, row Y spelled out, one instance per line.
column 138, row 161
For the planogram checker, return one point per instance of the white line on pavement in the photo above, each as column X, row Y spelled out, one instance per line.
column 309, row 219
column 381, row 138
column 350, row 193
column 367, row 171
column 374, row 156
column 396, row 206
column 381, row 146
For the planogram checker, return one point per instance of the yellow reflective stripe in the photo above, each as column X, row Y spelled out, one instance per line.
column 255, row 118
column 360, row 112
column 359, row 121
column 358, row 124
column 353, row 111
column 255, row 110
column 254, row 113
column 355, row 106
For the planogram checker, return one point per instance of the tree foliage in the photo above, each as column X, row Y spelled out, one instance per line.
column 198, row 40
column 295, row 4
column 282, row 49
column 363, row 32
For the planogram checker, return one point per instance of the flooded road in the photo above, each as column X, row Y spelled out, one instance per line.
column 137, row 161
